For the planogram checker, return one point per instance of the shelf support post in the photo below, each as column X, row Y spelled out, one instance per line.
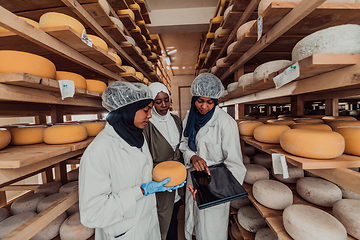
column 297, row 106
column 332, row 107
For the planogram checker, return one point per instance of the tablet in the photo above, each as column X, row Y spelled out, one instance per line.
column 220, row 187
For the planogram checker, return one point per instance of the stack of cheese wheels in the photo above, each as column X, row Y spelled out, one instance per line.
column 25, row 135
column 335, row 124
column 129, row 40
column 279, row 121
column 170, row 169
column 294, row 174
column 263, row 71
column 249, row 150
column 221, row 31
column 318, row 223
column 72, row 229
column 250, row 219
column 52, row 229
column 318, row 191
column 240, row 202
column 16, row 61
column 310, row 143
column 265, row 234
column 243, row 29
column 246, row 79
column 127, row 12
column 117, row 58
column 95, row 85
column 13, row 222
column 351, row 135
column 54, row 19
column 308, row 120
column 117, row 23
column 5, row 137
column 232, row 87
column 329, row 119
column 27, row 203
column 97, row 41
column 263, row 159
column 255, row 173
column 347, row 194
column 139, row 75
column 31, row 22
column 129, row 69
column 78, row 80
column 93, row 128
column 347, row 212
column 235, row 232
column 62, row 134
column 269, row 133
column 69, row 187
column 246, row 128
column 4, row 214
column 49, row 188
column 272, row 194
column 313, row 126
column 73, row 175
column 230, row 47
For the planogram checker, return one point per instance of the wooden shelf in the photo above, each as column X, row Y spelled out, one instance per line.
column 240, row 5
column 207, row 43
column 137, row 36
column 146, row 18
column 115, row 33
column 98, row 13
column 265, row 147
column 114, row 67
column 132, row 52
column 138, row 16
column 130, row 77
column 231, row 20
column 220, row 40
column 214, row 26
column 214, row 52
column 127, row 21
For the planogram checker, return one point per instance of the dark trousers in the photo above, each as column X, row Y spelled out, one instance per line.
column 173, row 228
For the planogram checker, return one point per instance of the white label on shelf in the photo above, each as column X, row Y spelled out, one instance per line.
column 290, row 74
column 86, row 39
column 279, row 164
column 259, row 27
column 67, row 88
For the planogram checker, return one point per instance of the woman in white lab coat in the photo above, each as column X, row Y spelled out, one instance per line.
column 115, row 180
column 210, row 137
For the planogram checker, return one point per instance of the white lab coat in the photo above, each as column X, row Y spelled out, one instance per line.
column 110, row 198
column 217, row 142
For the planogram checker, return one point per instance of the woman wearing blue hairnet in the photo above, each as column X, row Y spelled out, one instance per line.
column 210, row 137
column 115, row 188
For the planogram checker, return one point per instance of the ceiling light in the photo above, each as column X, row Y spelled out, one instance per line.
column 183, row 67
column 172, row 51
column 167, row 60
column 170, row 47
column 167, row 67
column 175, row 67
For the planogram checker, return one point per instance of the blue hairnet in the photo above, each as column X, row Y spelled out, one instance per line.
column 207, row 85
column 120, row 94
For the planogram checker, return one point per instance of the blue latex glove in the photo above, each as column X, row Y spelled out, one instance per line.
column 153, row 187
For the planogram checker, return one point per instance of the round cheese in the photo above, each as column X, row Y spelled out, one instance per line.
column 48, row 188
column 240, row 202
column 269, row 133
column 93, row 128
column 312, row 116
column 278, row 121
column 313, row 126
column 220, row 62
column 286, row 118
column 128, row 12
column 347, row 212
column 139, row 75
column 95, row 85
column 141, row 22
column 249, row 150
column 105, row 5
column 232, row 87
column 243, row 29
column 347, row 194
column 138, row 50
column 5, row 137
column 264, row 119
column 62, row 134
column 214, row 69
column 221, row 31
column 263, row 70
column 235, row 232
column 263, row 159
column 99, row 42
column 308, row 120
column 73, row 175
column 210, row 35
column 328, row 119
column 48, row 201
column 230, row 47
column 135, row 6
column 13, row 222
column 144, row 57
column 51, row 230
column 129, row 69
column 265, row 234
column 310, row 143
column 16, row 61
column 318, row 191
column 117, row 23
column 117, row 58
column 55, row 19
column 72, row 229
column 250, row 219
column 294, row 174
column 25, row 135
column 222, row 3
column 335, row 124
column 69, row 187
column 227, row 11
column 246, row 159
column 202, row 55
column 79, row 80
column 246, row 79
column 4, row 213
column 73, row 209
column 170, row 169
column 255, row 173
column 246, row 128
column 217, row 19
column 351, row 135
column 26, row 203
column 318, row 223
column 129, row 40
column 149, row 64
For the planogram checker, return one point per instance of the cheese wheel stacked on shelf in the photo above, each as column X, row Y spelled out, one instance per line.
column 270, row 133
column 95, row 85
column 78, row 80
column 26, row 135
column 5, row 137
column 55, row 19
column 246, row 128
column 67, row 133
column 351, row 135
column 93, row 128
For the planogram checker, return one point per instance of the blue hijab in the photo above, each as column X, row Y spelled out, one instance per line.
column 195, row 121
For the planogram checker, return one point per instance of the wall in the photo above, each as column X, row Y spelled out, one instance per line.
column 181, row 82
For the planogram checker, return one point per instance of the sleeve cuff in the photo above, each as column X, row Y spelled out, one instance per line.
column 137, row 192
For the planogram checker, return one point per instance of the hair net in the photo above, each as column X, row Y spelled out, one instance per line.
column 207, row 85
column 120, row 94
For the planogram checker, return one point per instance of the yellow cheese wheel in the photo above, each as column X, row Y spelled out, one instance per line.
column 139, row 75
column 54, row 19
column 16, row 61
column 128, row 12
column 105, row 5
column 95, row 85
column 141, row 22
column 308, row 120
column 135, row 6
column 149, row 64
column 328, row 119
column 217, row 19
column 25, row 135
column 137, row 28
column 146, row 81
column 5, row 137
column 222, row 3
column 129, row 69
column 351, row 135
column 202, row 55
column 246, row 128
column 286, row 118
column 210, row 35
column 144, row 57
column 129, row 40
column 170, row 169
column 144, row 38
column 118, row 59
column 93, row 128
column 312, row 143
column 79, row 80
column 62, row 134
column 149, row 42
column 154, row 48
column 30, row 21
column 98, row 42
column 138, row 50
column 277, row 121
column 314, row 126
column 148, row 46
column 335, row 124
column 269, row 133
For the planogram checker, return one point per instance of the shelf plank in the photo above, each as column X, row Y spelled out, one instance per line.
column 231, row 19
column 115, row 33
column 146, row 17
column 143, row 7
column 213, row 26
column 73, row 146
column 114, row 67
column 263, row 84
column 220, row 40
column 130, row 77
column 246, row 234
column 265, row 147
column 98, row 13
column 127, row 21
column 137, row 36
column 131, row 51
column 214, row 52
column 138, row 15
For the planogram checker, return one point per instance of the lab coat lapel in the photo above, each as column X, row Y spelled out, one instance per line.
column 211, row 123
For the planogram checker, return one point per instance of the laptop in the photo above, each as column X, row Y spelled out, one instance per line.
column 220, row 187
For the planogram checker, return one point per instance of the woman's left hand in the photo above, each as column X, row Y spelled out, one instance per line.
column 193, row 191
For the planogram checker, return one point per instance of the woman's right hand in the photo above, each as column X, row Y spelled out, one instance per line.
column 199, row 164
column 193, row 191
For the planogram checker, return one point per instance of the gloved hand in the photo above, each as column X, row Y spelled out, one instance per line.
column 153, row 187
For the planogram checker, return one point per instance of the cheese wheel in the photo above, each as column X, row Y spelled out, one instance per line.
column 214, row 69
column 243, row 29
column 286, row 118
column 232, row 87
column 250, row 219
column 105, row 5
column 135, row 6
column 139, row 75
column 335, row 124
column 249, row 150
column 221, row 31
column 220, row 62
column 255, row 173
column 328, row 119
column 55, row 19
column 144, row 38
column 141, row 22
column 69, row 187
column 313, row 126
column 249, row 117
column 217, row 19
column 26, row 203
column 246, row 128
column 26, row 135
column 318, row 191
column 138, row 50
column 73, row 175
column 230, row 47
column 79, row 80
column 312, row 116
column 117, row 23
column 351, row 135
column 347, row 194
column 4, row 213
column 246, row 159
column 284, row 115
column 30, row 21
column 98, row 42
column 246, row 79
column 129, row 40
column 13, row 222
column 144, row 57
column 263, row 70
column 62, row 134
column 202, row 55
column 72, row 229
column 149, row 64
column 16, row 61
column 277, row 121
column 5, row 137
column 264, row 119
column 117, row 58
column 227, row 11
column 95, row 85
column 210, row 35
column 263, row 159
column 48, row 188
column 269, row 133
column 73, row 209
column 240, row 202
column 93, row 128
column 129, row 69
column 308, row 120
column 265, row 234
column 319, row 224
column 347, row 212
column 128, row 12
column 310, row 143
column 48, row 201
column 235, row 232
column 51, row 230
column 170, row 169
column 222, row 3
column 294, row 174
column 211, row 46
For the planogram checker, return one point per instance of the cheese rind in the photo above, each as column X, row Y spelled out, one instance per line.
column 26, row 135
column 13, row 222
column 313, row 126
column 99, row 42
column 5, row 137
column 263, row 70
column 170, row 169
column 72, row 229
column 62, row 134
column 93, row 128
column 78, row 80
column 347, row 212
column 27, row 203
column 246, row 128
column 254, row 173
column 69, row 187
column 95, row 85
column 55, row 19
column 128, row 12
column 351, row 135
column 250, row 219
column 269, row 133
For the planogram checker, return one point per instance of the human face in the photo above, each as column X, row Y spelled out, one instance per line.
column 204, row 105
column 162, row 103
column 142, row 116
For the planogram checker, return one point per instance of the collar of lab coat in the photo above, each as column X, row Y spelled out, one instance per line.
column 210, row 123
